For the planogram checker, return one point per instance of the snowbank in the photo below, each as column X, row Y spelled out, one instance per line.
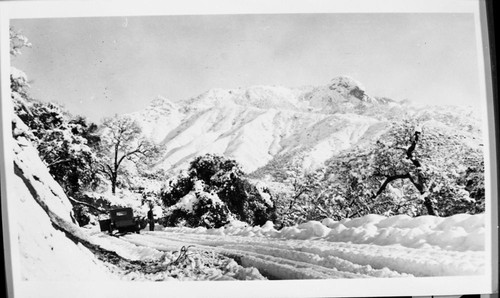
column 461, row 232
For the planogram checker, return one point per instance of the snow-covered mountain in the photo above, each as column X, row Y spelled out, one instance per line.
column 257, row 124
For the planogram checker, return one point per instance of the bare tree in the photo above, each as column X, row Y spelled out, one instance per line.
column 122, row 140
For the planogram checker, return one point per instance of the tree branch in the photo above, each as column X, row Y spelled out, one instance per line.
column 388, row 180
column 87, row 204
column 409, row 152
column 136, row 151
column 418, row 185
column 58, row 162
column 108, row 171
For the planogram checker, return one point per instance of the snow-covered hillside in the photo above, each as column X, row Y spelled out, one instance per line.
column 257, row 124
column 45, row 252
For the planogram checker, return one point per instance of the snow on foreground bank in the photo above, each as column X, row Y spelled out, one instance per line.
column 45, row 253
column 370, row 246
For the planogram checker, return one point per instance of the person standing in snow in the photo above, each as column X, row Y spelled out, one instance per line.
column 151, row 218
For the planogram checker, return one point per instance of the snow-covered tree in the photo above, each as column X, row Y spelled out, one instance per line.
column 300, row 194
column 123, row 146
column 415, row 164
column 299, row 197
column 213, row 191
column 17, row 42
column 19, row 85
column 63, row 143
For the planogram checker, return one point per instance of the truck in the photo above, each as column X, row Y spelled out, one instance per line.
column 121, row 219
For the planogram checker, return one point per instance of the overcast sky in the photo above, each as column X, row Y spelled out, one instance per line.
column 102, row 66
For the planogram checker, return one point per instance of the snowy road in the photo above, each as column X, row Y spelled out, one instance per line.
column 279, row 257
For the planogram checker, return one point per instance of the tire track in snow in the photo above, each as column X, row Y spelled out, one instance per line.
column 271, row 265
column 372, row 260
column 274, row 259
column 418, row 262
column 282, row 268
column 328, row 261
column 285, row 249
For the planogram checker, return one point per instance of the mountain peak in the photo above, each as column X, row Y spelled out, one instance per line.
column 347, row 86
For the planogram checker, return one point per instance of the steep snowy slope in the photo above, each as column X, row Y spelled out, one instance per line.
column 159, row 118
column 46, row 254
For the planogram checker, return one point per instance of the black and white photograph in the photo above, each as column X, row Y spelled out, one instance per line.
column 246, row 149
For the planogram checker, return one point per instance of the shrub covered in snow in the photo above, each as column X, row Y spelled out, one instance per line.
column 212, row 192
column 64, row 144
column 198, row 208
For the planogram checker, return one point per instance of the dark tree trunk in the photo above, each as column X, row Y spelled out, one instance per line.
column 113, row 183
column 419, row 181
column 430, row 207
column 114, row 174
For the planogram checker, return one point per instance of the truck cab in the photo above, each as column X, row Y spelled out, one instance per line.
column 121, row 219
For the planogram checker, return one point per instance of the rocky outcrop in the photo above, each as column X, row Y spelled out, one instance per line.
column 347, row 86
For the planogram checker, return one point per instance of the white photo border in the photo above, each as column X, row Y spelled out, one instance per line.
column 323, row 288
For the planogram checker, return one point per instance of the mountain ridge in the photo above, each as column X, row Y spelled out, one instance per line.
column 254, row 125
